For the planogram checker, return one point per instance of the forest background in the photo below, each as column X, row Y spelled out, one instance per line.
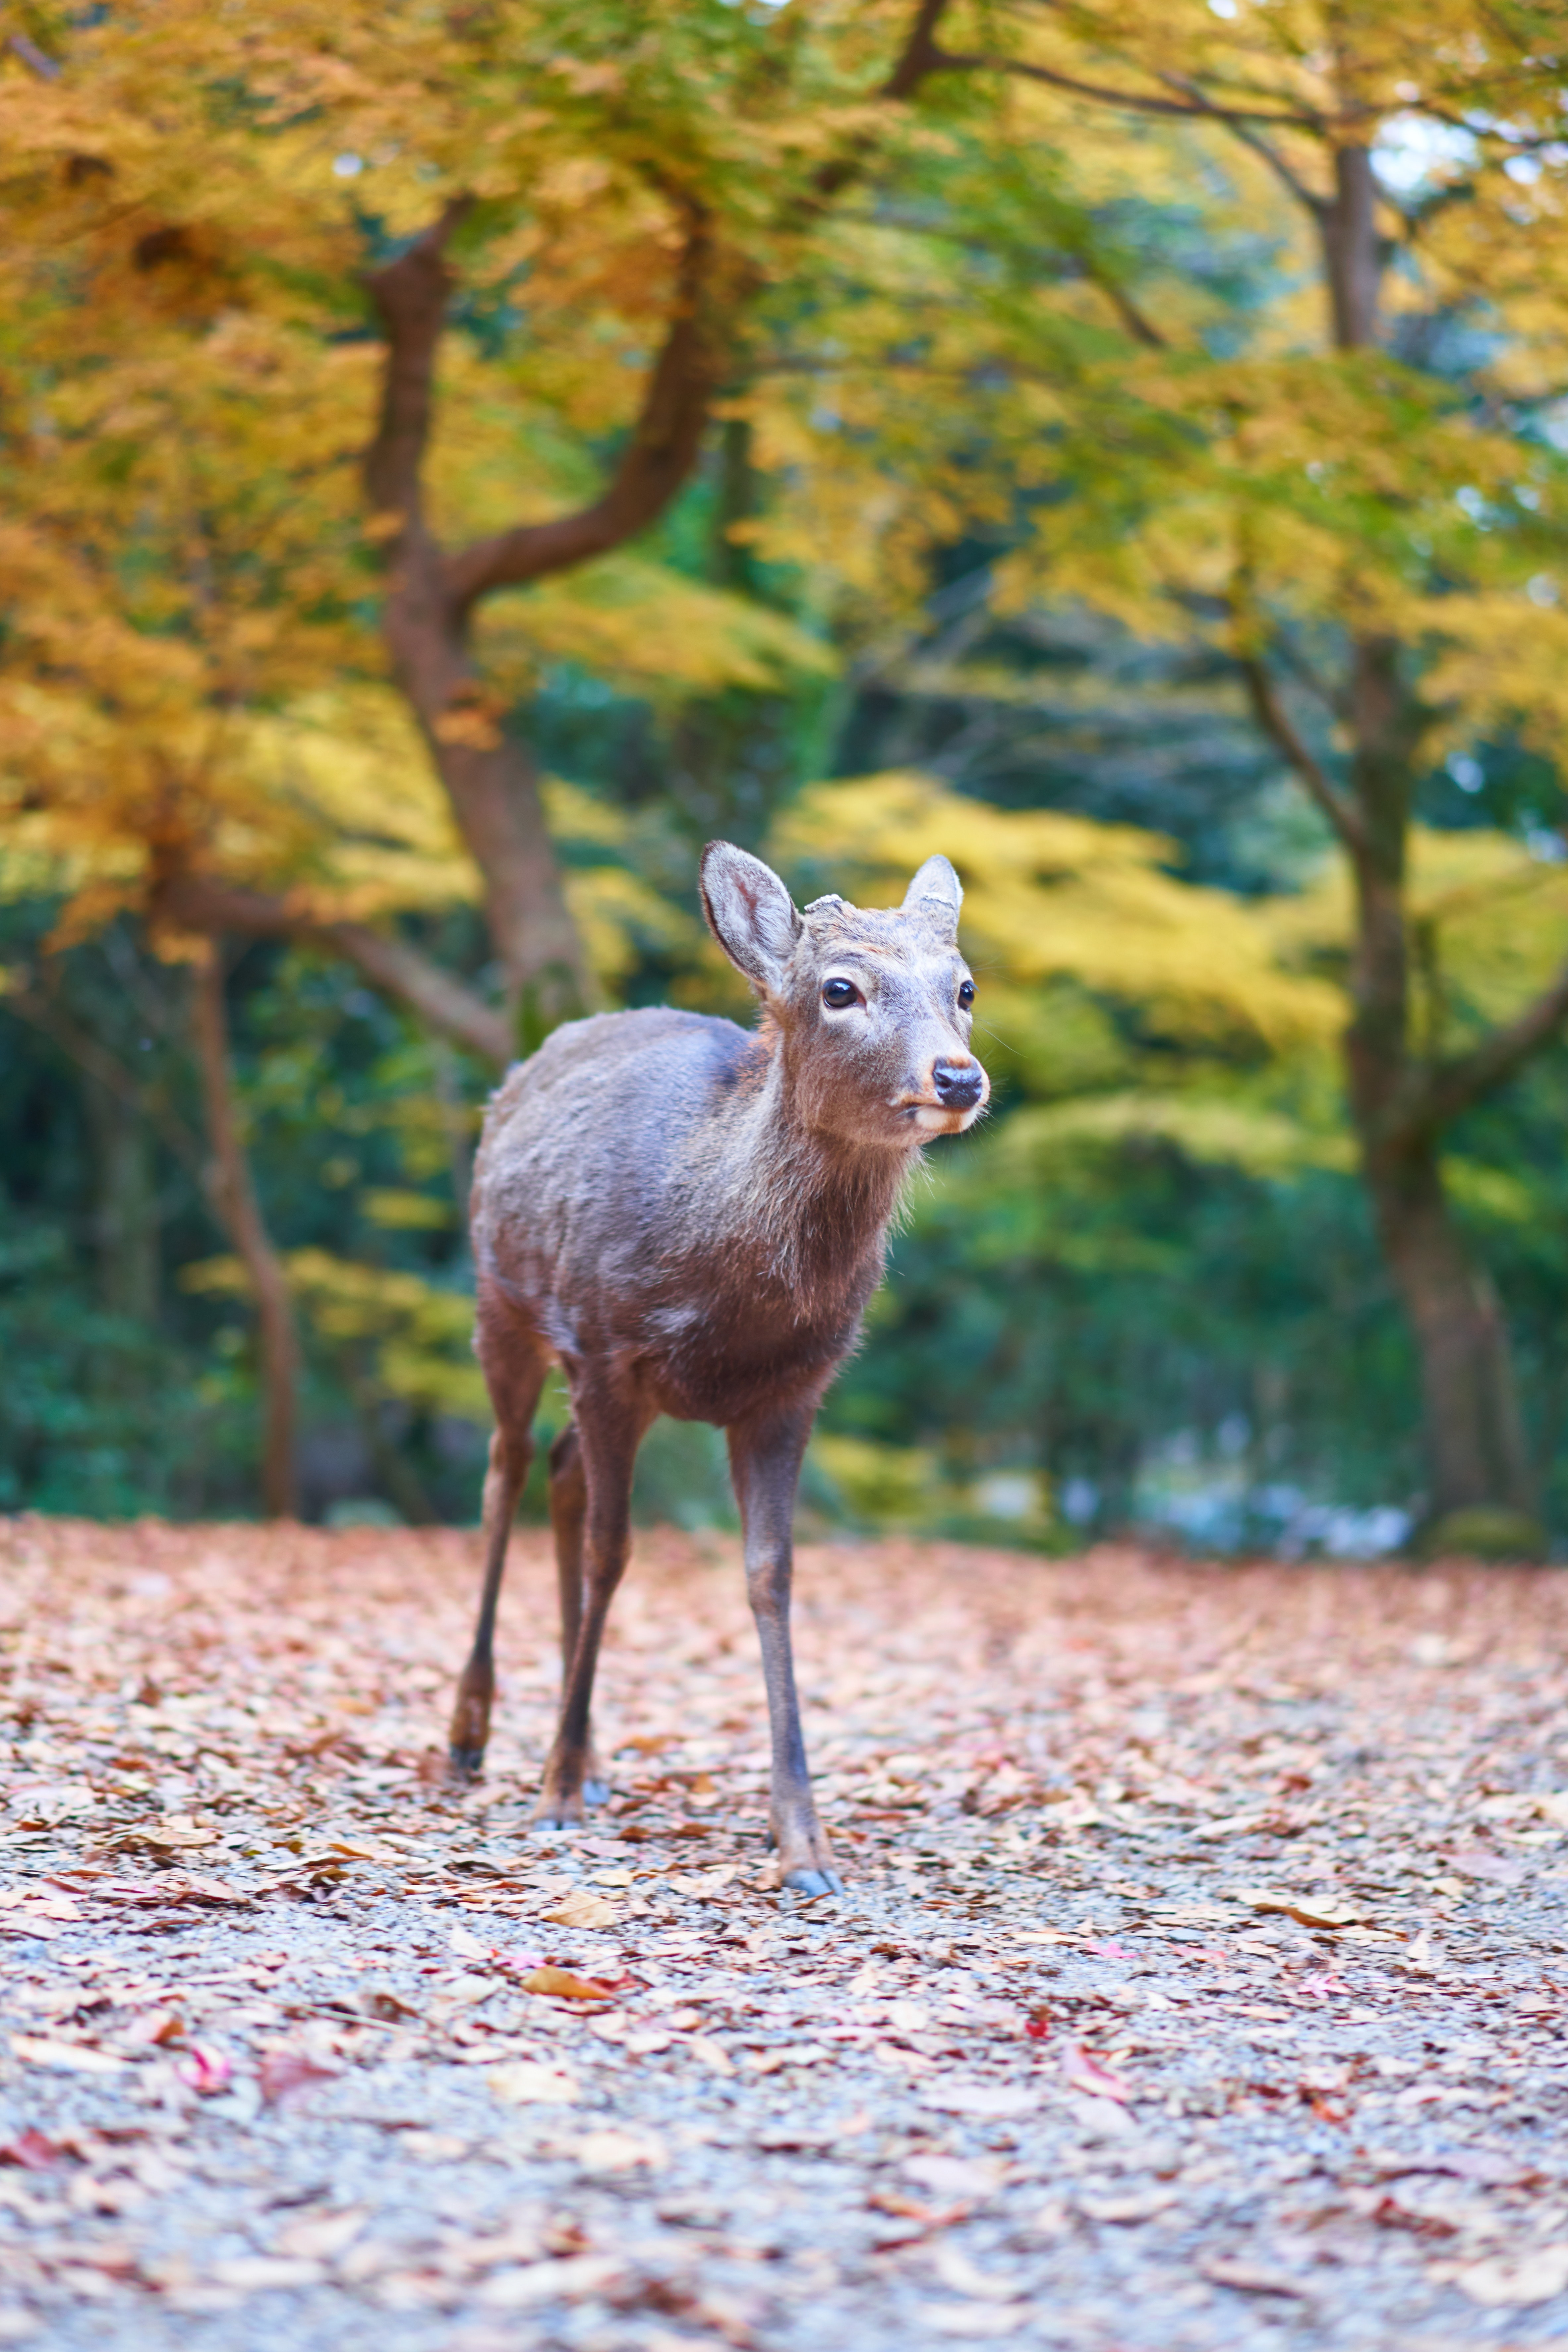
column 454, row 463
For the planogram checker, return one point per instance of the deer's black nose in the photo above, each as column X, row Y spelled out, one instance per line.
column 958, row 1084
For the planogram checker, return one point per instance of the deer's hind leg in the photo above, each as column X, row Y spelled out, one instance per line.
column 568, row 1515
column 514, row 1366
column 609, row 1427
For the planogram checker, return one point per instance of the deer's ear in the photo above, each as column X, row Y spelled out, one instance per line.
column 750, row 913
column 936, row 894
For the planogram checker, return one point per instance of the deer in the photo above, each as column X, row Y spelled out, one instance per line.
column 688, row 1218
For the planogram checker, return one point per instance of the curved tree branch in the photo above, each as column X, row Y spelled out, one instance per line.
column 390, row 964
column 920, row 54
column 1281, row 730
column 1454, row 1085
column 1135, row 101
column 657, row 460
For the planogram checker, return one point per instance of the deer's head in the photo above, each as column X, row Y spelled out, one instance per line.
column 872, row 1004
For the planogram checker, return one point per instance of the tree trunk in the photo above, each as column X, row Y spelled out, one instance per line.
column 1347, row 224
column 492, row 785
column 1474, row 1443
column 1475, row 1448
column 124, row 1210
column 234, row 1198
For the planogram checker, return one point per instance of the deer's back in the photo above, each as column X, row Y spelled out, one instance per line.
column 608, row 1212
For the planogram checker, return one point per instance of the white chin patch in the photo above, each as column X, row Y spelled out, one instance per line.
column 930, row 1120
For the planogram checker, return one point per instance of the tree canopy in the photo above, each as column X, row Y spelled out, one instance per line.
column 448, row 466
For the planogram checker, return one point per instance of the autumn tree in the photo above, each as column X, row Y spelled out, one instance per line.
column 1356, row 493
column 554, row 223
column 251, row 266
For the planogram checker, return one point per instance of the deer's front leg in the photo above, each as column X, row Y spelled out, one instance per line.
column 765, row 1461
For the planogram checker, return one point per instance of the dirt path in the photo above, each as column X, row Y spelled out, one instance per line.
column 1200, row 1982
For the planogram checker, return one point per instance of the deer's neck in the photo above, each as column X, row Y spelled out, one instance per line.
column 807, row 1210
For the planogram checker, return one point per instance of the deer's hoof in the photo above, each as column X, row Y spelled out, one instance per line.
column 815, row 1882
column 464, row 1763
column 556, row 1812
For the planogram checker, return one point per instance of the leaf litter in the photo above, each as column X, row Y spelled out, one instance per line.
column 1201, row 1976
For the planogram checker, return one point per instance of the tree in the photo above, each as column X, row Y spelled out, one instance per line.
column 613, row 193
column 1360, row 508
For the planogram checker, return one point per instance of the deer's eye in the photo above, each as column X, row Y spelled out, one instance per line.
column 965, row 994
column 839, row 993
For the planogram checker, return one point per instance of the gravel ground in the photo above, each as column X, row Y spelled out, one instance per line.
column 1199, row 1982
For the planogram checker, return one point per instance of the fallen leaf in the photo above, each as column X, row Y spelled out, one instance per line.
column 1086, row 2072
column 283, row 2073
column 583, row 1908
column 466, row 1945
column 564, row 1984
column 166, row 1837
column 572, row 2281
column 31, row 2151
column 1102, row 2118
column 969, row 2177
column 914, row 2209
column 318, row 2236
column 1142, row 2206
column 64, row 2057
column 972, row 2320
column 263, row 2274
column 522, row 2082
column 1320, row 1985
column 712, row 2054
column 184, row 1887
column 1514, row 2282
column 1307, row 1913
column 1481, row 2165
column 45, row 1903
column 153, row 2028
column 204, row 2069
column 985, row 2099
column 1251, row 2278
column 434, row 2147
column 620, row 2151
column 955, row 2269
column 385, row 2006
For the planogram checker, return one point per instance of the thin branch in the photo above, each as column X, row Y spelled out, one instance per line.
column 390, row 964
column 61, row 1028
column 36, row 59
column 1132, row 100
column 920, row 56
column 1290, row 180
column 1456, row 1085
column 1277, row 723
column 1139, row 325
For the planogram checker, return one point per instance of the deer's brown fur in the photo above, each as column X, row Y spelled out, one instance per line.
column 689, row 1219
